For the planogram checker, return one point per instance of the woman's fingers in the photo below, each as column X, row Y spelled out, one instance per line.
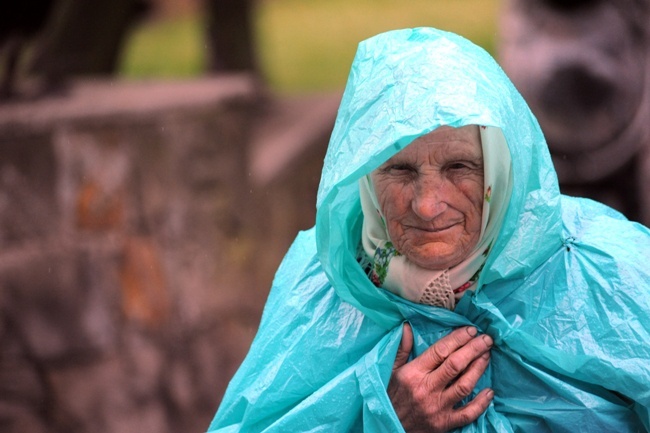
column 405, row 347
column 471, row 411
column 459, row 361
column 426, row 391
column 466, row 382
column 435, row 355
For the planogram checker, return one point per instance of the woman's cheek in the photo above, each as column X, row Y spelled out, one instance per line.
column 397, row 202
column 475, row 196
column 396, row 214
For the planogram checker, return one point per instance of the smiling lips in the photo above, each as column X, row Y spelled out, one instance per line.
column 436, row 229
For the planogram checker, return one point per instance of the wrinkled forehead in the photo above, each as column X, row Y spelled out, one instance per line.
column 445, row 140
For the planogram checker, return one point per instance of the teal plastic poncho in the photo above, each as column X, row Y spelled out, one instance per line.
column 565, row 292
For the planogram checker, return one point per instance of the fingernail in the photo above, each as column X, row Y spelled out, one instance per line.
column 471, row 331
column 487, row 339
column 490, row 393
column 486, row 355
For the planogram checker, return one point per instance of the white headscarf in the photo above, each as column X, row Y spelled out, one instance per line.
column 442, row 288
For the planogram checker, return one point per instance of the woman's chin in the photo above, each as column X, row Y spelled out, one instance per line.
column 436, row 258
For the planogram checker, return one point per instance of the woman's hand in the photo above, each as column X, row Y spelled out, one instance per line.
column 425, row 391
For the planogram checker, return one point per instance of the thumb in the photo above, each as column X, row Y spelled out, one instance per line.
column 405, row 347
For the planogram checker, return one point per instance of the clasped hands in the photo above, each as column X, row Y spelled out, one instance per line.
column 425, row 392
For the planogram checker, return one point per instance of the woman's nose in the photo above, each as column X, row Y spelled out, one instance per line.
column 428, row 201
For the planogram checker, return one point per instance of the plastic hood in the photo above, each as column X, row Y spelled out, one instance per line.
column 404, row 84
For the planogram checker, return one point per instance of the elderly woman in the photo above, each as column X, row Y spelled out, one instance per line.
column 447, row 283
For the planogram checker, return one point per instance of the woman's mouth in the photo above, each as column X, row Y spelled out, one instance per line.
column 437, row 228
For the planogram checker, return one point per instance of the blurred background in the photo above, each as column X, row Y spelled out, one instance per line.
column 157, row 158
column 299, row 46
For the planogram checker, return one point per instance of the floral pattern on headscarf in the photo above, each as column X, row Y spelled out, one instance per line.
column 382, row 257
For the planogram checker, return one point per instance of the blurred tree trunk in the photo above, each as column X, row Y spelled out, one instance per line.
column 85, row 37
column 231, row 45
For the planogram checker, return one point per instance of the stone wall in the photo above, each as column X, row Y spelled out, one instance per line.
column 132, row 252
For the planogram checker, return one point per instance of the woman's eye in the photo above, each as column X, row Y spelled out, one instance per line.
column 400, row 168
column 461, row 165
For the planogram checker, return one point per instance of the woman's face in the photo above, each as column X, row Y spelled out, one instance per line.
column 431, row 195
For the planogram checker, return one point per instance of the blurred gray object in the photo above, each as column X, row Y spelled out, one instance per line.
column 583, row 67
column 46, row 43
column 19, row 23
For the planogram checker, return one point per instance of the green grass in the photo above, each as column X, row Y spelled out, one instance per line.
column 306, row 45
column 171, row 48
